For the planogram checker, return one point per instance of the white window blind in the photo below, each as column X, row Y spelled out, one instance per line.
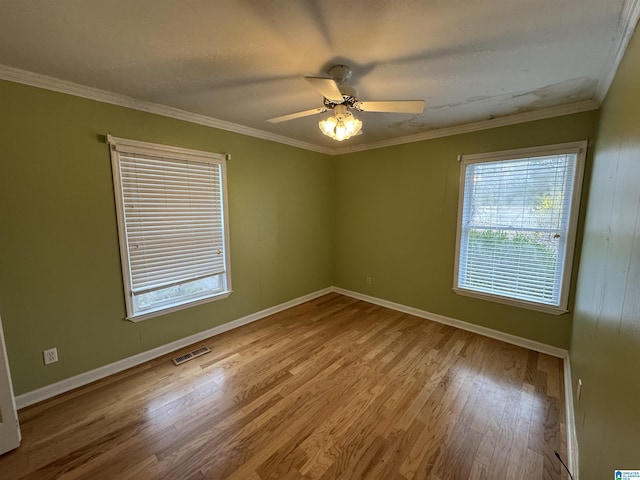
column 171, row 212
column 517, row 224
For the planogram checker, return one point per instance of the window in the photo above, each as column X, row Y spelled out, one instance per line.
column 171, row 208
column 517, row 216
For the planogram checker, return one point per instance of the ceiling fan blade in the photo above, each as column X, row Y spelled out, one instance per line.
column 327, row 87
column 393, row 106
column 291, row 116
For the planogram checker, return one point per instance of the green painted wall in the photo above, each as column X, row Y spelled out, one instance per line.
column 395, row 221
column 605, row 343
column 60, row 280
column 300, row 221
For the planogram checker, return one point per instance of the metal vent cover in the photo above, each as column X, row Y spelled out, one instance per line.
column 185, row 357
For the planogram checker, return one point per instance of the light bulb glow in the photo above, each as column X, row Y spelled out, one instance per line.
column 327, row 126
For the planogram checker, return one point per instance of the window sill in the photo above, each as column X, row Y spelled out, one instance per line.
column 175, row 308
column 512, row 302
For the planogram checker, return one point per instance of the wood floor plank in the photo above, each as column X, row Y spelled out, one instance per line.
column 335, row 388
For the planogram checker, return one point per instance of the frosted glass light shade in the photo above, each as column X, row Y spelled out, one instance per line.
column 341, row 126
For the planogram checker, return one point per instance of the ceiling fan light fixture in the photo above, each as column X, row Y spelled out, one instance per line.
column 341, row 125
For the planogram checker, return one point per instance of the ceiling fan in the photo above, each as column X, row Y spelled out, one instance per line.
column 341, row 99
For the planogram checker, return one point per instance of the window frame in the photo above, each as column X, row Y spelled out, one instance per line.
column 580, row 149
column 126, row 146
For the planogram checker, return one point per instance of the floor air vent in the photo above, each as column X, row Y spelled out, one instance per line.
column 185, row 357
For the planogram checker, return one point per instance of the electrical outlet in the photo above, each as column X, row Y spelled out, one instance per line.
column 368, row 279
column 50, row 356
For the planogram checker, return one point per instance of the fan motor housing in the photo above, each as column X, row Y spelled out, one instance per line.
column 348, row 100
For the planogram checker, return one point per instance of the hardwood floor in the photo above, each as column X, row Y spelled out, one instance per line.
column 333, row 388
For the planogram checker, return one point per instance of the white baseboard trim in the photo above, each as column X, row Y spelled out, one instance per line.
column 470, row 327
column 49, row 391
column 572, row 439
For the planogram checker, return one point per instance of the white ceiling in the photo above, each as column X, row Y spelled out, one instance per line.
column 243, row 61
